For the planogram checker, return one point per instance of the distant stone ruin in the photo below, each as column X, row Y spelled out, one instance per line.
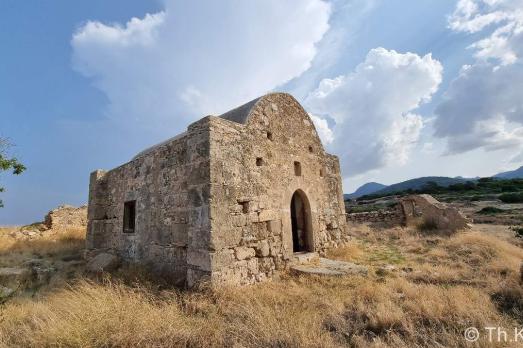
column 232, row 199
column 429, row 209
column 390, row 217
column 61, row 219
column 66, row 216
column 415, row 209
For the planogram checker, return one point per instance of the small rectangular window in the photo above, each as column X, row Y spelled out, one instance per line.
column 129, row 216
column 297, row 168
column 259, row 161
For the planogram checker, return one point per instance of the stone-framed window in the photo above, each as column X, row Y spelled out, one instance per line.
column 311, row 149
column 269, row 136
column 129, row 216
column 259, row 161
column 297, row 168
column 321, row 172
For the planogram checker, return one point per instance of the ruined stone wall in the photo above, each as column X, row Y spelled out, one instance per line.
column 426, row 207
column 170, row 184
column 252, row 182
column 388, row 217
column 413, row 210
column 66, row 216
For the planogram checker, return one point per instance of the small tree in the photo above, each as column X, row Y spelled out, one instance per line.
column 8, row 163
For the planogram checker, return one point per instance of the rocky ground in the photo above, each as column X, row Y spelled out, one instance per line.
column 42, row 254
column 481, row 212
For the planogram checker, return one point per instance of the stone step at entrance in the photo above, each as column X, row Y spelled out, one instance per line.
column 327, row 267
column 305, row 257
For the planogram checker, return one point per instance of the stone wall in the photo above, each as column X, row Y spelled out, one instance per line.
column 66, row 216
column 388, row 217
column 252, row 182
column 170, row 184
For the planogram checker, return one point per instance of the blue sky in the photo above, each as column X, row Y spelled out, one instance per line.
column 396, row 88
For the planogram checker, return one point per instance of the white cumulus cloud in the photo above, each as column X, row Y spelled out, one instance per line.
column 322, row 127
column 200, row 57
column 483, row 107
column 372, row 108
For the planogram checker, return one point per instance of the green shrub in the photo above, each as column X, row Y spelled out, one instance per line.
column 509, row 188
column 519, row 231
column 488, row 179
column 511, row 197
column 490, row 210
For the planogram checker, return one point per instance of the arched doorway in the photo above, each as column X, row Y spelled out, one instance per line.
column 301, row 223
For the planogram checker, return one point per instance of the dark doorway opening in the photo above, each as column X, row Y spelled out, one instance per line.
column 301, row 224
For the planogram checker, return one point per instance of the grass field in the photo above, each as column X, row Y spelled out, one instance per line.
column 420, row 291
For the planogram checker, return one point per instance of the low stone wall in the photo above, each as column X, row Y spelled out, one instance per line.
column 392, row 217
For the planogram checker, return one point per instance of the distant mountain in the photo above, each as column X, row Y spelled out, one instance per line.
column 415, row 184
column 420, row 182
column 365, row 189
column 518, row 173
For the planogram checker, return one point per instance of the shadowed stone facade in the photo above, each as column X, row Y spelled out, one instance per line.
column 230, row 200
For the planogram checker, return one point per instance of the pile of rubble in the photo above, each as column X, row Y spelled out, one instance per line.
column 413, row 210
column 57, row 220
column 22, row 273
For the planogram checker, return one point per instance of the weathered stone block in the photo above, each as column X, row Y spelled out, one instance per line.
column 222, row 258
column 252, row 266
column 199, row 258
column 253, row 217
column 274, row 227
column 179, row 234
column 262, row 249
column 266, row 215
column 243, row 253
column 239, row 220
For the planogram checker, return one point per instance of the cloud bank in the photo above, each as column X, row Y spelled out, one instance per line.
column 373, row 107
column 483, row 107
column 199, row 58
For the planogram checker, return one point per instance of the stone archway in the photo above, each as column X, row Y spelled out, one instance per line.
column 301, row 223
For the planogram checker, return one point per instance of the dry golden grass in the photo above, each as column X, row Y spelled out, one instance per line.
column 52, row 244
column 449, row 284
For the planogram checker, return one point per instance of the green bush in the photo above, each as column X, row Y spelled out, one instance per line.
column 519, row 231
column 511, row 197
column 490, row 210
column 509, row 188
column 488, row 179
